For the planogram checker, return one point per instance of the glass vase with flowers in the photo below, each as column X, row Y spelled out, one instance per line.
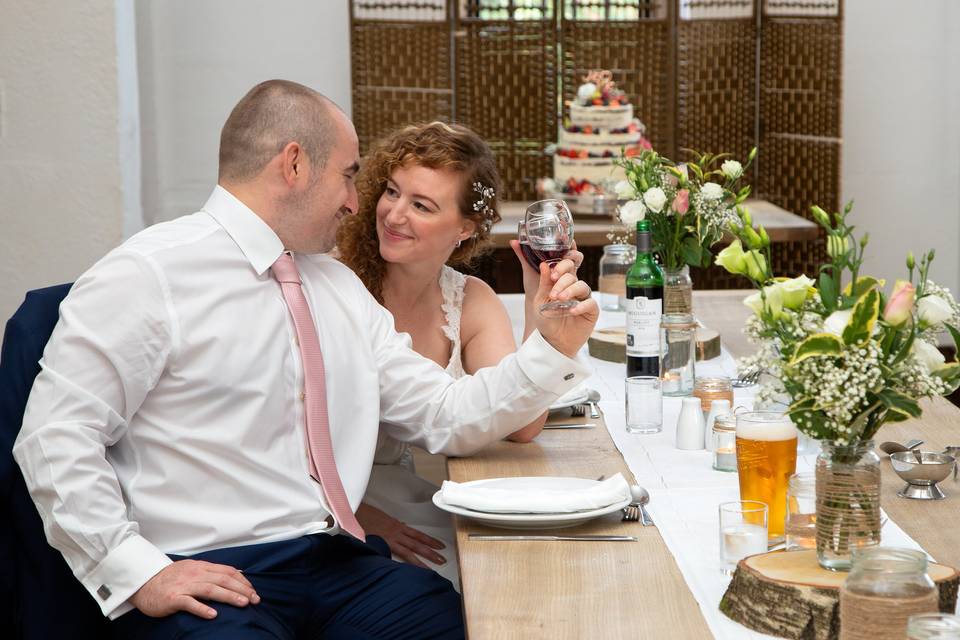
column 850, row 358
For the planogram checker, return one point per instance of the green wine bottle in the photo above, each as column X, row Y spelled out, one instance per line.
column 644, row 308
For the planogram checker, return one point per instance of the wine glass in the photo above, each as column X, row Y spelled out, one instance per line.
column 546, row 235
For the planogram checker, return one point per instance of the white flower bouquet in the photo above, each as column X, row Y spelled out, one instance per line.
column 688, row 205
column 848, row 356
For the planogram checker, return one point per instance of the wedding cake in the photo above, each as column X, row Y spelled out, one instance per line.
column 599, row 128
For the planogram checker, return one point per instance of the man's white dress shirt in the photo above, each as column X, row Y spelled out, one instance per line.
column 168, row 414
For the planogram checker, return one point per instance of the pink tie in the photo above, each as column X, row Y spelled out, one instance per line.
column 322, row 465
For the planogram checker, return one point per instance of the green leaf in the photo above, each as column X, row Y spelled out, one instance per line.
column 691, row 251
column 905, row 348
column 819, row 344
column 955, row 334
column 828, row 292
column 865, row 314
column 899, row 404
column 864, row 284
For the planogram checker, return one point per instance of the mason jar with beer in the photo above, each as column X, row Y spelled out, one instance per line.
column 766, row 458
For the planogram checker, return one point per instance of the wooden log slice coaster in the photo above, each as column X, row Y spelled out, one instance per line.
column 787, row 594
column 610, row 344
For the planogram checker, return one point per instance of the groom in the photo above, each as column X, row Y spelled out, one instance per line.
column 205, row 419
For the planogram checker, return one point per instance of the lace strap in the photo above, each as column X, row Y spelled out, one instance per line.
column 452, row 284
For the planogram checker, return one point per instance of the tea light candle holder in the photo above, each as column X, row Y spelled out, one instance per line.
column 724, row 442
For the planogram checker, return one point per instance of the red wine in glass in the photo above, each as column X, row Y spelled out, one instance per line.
column 536, row 255
column 546, row 235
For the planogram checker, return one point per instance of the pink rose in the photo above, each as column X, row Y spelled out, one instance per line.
column 900, row 305
column 681, row 202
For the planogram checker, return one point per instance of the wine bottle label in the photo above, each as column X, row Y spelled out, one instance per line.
column 643, row 326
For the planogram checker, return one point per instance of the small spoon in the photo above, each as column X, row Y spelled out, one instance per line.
column 641, row 497
column 890, row 448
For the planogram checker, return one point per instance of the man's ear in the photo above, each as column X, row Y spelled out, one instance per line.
column 292, row 162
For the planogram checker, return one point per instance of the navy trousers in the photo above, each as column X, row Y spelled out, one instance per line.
column 320, row 586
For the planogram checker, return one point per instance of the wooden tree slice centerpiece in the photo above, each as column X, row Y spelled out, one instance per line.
column 610, row 344
column 787, row 594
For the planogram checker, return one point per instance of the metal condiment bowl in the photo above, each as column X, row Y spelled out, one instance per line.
column 922, row 476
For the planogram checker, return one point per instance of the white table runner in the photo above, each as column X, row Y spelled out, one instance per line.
column 684, row 488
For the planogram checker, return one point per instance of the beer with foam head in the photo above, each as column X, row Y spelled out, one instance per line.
column 766, row 458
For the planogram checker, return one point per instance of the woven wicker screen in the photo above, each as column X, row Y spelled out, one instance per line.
column 515, row 108
column 400, row 58
column 800, row 103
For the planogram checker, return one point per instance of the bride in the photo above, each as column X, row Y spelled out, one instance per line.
column 428, row 199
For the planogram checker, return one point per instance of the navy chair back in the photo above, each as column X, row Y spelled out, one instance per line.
column 41, row 598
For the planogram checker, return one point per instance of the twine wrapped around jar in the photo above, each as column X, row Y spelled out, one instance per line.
column 878, row 618
column 885, row 588
column 848, row 502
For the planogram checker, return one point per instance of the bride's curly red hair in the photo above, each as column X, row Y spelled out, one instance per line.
column 435, row 145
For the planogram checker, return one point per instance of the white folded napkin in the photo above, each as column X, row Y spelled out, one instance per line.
column 525, row 496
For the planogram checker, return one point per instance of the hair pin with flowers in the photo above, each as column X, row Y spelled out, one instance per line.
column 482, row 204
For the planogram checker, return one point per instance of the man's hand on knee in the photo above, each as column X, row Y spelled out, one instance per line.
column 179, row 585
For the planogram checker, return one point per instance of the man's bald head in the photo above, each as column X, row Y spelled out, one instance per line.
column 271, row 115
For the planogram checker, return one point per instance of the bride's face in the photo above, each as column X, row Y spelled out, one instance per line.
column 418, row 216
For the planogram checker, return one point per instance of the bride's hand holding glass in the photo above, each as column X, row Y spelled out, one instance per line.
column 546, row 236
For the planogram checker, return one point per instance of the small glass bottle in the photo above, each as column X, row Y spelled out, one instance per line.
column 885, row 587
column 724, row 443
column 713, row 388
column 614, row 264
column 678, row 354
column 933, row 626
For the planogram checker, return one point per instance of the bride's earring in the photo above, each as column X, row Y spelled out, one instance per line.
column 457, row 246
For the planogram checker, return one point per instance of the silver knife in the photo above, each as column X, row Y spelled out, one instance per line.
column 583, row 537
column 569, row 425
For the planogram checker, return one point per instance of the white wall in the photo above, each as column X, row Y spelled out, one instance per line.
column 901, row 155
column 198, row 58
column 61, row 190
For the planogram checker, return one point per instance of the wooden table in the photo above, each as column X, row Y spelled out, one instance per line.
column 781, row 225
column 635, row 590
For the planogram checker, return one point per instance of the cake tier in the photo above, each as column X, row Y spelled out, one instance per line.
column 596, row 170
column 618, row 117
column 568, row 139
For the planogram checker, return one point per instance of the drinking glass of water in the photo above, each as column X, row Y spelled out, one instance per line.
column 546, row 235
column 743, row 532
column 801, row 524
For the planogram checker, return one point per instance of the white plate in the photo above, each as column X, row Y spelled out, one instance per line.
column 532, row 520
column 577, row 395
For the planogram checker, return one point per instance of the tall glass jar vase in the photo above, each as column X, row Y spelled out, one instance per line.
column 848, row 502
column 614, row 264
column 677, row 291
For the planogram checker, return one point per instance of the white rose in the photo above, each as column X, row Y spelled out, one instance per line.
column 711, row 191
column 837, row 321
column 928, row 355
column 547, row 186
column 655, row 198
column 585, row 92
column 732, row 169
column 625, row 190
column 934, row 310
column 632, row 212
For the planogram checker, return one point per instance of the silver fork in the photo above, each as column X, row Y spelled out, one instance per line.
column 631, row 513
column 580, row 410
column 748, row 379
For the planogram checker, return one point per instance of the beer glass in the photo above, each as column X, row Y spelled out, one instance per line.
column 766, row 458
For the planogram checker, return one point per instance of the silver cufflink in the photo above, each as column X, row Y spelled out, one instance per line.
column 104, row 592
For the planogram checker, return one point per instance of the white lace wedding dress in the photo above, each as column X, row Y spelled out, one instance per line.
column 394, row 485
